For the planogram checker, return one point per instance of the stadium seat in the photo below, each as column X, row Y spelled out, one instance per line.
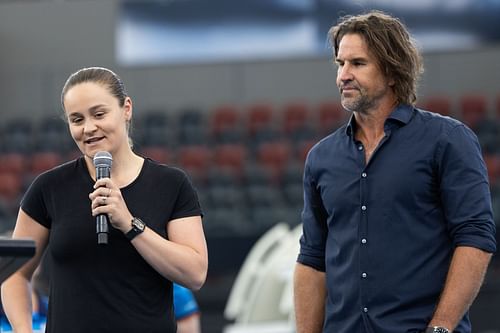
column 295, row 117
column 303, row 149
column 231, row 156
column 18, row 136
column 259, row 116
column 473, row 110
column 275, row 156
column 155, row 130
column 196, row 160
column 11, row 185
column 52, row 134
column 224, row 118
column 256, row 174
column 159, row 154
column 43, row 161
column 438, row 104
column 13, row 163
column 330, row 116
column 493, row 165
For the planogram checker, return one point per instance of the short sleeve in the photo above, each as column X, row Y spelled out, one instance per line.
column 187, row 203
column 34, row 204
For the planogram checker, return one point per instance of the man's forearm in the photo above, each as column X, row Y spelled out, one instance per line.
column 465, row 276
column 309, row 299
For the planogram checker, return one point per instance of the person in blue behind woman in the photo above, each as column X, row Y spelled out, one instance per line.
column 155, row 238
column 398, row 227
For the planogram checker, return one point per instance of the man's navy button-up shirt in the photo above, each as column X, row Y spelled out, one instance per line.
column 384, row 231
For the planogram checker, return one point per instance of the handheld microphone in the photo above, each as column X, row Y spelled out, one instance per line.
column 102, row 163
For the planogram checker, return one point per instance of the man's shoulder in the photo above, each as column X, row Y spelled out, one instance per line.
column 436, row 119
column 331, row 139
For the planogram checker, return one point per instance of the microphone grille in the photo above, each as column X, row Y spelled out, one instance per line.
column 103, row 159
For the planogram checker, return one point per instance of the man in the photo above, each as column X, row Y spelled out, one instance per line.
column 398, row 228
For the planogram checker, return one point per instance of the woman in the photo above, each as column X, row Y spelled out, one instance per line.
column 121, row 286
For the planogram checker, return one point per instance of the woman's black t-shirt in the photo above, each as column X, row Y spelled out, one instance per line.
column 107, row 288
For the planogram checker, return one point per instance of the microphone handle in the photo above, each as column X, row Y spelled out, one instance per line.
column 102, row 226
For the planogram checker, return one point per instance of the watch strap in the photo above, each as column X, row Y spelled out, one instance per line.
column 137, row 228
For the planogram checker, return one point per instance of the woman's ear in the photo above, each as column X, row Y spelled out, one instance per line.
column 127, row 108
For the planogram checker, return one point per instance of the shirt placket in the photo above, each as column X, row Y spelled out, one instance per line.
column 363, row 236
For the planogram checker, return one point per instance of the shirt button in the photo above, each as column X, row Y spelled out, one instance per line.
column 364, row 275
column 363, row 241
column 365, row 310
column 363, row 207
column 363, row 175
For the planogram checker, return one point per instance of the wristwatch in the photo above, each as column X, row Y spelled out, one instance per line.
column 437, row 329
column 137, row 228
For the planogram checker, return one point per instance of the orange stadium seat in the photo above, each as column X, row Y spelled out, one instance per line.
column 196, row 160
column 231, row 156
column 159, row 154
column 295, row 116
column 43, row 161
column 223, row 118
column 10, row 187
column 473, row 110
column 275, row 156
column 13, row 163
column 331, row 116
column 438, row 104
column 259, row 116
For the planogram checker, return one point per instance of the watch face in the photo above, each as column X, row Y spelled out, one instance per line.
column 138, row 224
column 440, row 330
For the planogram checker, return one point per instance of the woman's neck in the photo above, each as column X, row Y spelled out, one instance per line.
column 125, row 168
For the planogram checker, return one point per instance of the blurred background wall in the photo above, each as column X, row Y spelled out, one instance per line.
column 44, row 41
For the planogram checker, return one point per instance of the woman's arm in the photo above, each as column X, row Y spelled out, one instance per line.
column 16, row 290
column 183, row 258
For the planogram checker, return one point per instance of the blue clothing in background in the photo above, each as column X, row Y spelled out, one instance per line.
column 384, row 232
column 184, row 302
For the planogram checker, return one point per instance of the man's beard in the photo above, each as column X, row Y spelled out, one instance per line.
column 360, row 104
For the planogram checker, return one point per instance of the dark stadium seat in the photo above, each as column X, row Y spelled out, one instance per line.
column 52, row 134
column 17, row 136
column 155, row 129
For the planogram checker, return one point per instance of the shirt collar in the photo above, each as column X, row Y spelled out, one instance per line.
column 401, row 115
